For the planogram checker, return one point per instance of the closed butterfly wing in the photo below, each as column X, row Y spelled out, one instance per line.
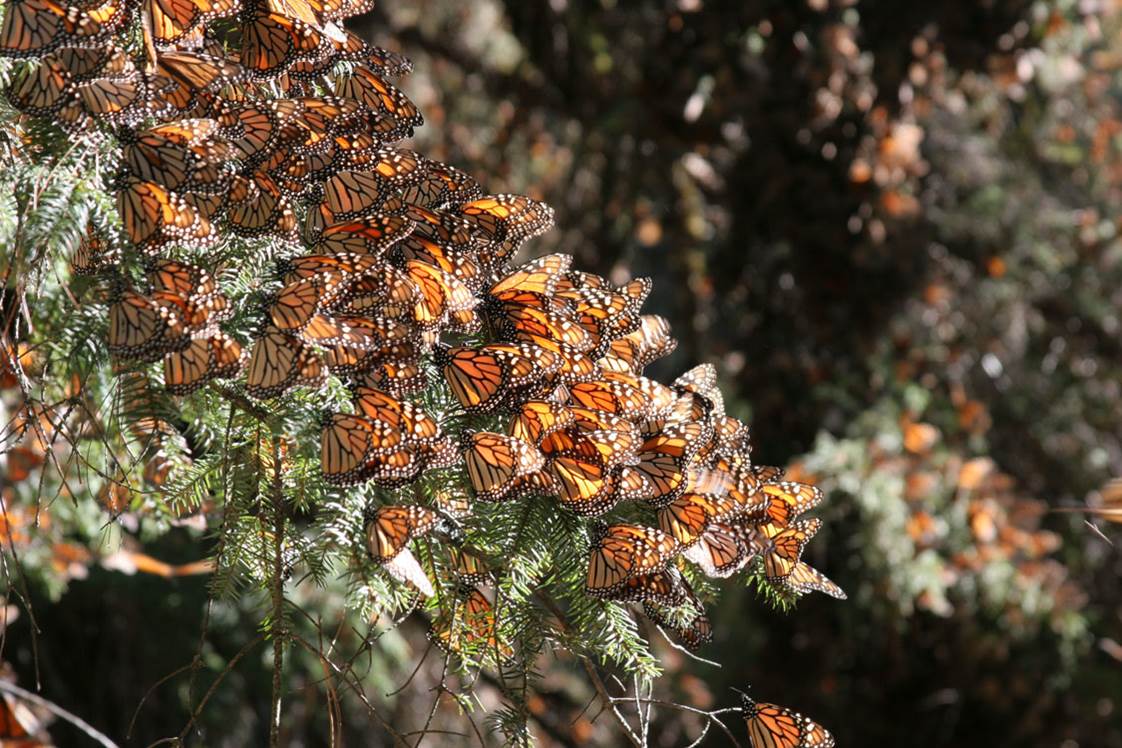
column 206, row 358
column 622, row 551
column 804, row 579
column 507, row 221
column 719, row 551
column 280, row 361
column 390, row 528
column 536, row 419
column 496, row 461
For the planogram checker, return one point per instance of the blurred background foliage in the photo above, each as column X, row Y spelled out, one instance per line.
column 894, row 228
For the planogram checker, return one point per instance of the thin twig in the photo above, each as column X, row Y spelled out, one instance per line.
column 356, row 688
column 157, row 684
column 214, row 686
column 710, row 715
column 610, row 702
column 59, row 712
column 278, row 628
column 597, row 682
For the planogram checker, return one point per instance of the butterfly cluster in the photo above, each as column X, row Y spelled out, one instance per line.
column 266, row 118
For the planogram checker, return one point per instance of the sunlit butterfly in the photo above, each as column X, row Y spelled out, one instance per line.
column 774, row 726
column 208, row 357
column 389, row 530
column 280, row 361
column 502, row 467
column 804, row 579
column 622, row 551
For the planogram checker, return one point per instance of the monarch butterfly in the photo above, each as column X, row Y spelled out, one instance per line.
column 804, row 578
column 443, row 227
column 177, row 155
column 19, row 726
column 700, row 396
column 443, row 185
column 584, row 486
column 386, row 291
column 719, row 551
column 343, row 45
column 417, row 426
column 468, row 566
column 787, row 500
column 442, row 296
column 453, row 501
column 361, row 332
column 611, row 448
column 590, row 418
column 153, row 215
column 316, row 118
column 470, row 626
column 401, row 377
column 508, row 221
column 271, row 42
column 605, row 311
column 531, row 324
column 634, row 351
column 34, row 27
column 401, row 467
column 143, row 329
column 536, row 419
column 373, row 235
column 253, row 131
column 617, row 398
column 701, row 379
column 390, row 528
column 183, row 80
column 304, row 267
column 695, row 633
column 666, row 461
column 731, row 443
column 395, row 115
column 41, row 89
column 622, row 551
column 114, row 100
column 661, row 400
column 484, row 378
column 279, row 362
column 524, row 301
column 781, row 547
column 767, row 473
column 774, row 726
column 210, row 357
column 350, row 443
column 664, row 587
column 342, row 360
column 178, row 277
column 257, row 206
column 312, row 282
column 496, row 462
column 688, row 516
column 94, row 254
column 355, row 194
column 173, row 19
column 533, row 283
column 459, row 265
column 575, row 366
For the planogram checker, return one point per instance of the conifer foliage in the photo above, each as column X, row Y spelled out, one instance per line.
column 284, row 314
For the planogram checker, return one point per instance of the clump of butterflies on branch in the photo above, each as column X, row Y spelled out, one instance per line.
column 266, row 118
